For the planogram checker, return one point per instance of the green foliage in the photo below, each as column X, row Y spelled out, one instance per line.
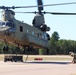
column 53, row 43
column 55, row 36
column 42, row 51
column 61, row 46
column 1, row 47
column 12, row 49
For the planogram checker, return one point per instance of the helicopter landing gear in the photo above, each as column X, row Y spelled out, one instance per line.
column 47, row 51
column 27, row 50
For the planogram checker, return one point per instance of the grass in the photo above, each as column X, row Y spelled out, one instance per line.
column 1, row 57
column 44, row 57
column 49, row 57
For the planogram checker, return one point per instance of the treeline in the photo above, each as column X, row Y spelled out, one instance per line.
column 62, row 47
column 59, row 46
column 56, row 46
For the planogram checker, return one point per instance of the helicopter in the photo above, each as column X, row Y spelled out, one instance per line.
column 17, row 32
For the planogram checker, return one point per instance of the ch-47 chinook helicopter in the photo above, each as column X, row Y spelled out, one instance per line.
column 23, row 34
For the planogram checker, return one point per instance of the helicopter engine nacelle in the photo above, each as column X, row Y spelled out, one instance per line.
column 7, row 15
column 44, row 27
column 48, row 29
column 38, row 20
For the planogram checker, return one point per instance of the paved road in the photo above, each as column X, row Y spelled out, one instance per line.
column 37, row 68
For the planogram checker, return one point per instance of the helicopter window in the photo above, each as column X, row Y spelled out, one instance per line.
column 3, row 23
column 21, row 29
column 38, row 35
column 45, row 35
column 42, row 36
column 27, row 31
column 32, row 33
column 8, row 24
column 13, row 26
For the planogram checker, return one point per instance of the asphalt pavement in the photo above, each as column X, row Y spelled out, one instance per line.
column 38, row 67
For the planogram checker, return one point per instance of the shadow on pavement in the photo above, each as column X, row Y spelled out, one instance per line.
column 50, row 62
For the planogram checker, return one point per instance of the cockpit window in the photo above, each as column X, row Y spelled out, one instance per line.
column 8, row 24
column 11, row 25
column 3, row 23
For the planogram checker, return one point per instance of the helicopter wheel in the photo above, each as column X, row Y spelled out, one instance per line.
column 29, row 49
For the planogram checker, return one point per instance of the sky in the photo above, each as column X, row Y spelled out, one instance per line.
column 65, row 25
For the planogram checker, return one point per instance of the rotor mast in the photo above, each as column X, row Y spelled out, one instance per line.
column 39, row 18
column 39, row 2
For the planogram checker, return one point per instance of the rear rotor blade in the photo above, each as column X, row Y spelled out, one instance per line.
column 54, row 13
column 61, row 13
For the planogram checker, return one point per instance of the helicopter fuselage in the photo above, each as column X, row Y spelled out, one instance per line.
column 24, row 34
column 17, row 32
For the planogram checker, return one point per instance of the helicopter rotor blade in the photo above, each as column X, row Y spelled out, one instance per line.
column 60, row 13
column 54, row 13
column 27, row 12
column 45, row 5
column 40, row 5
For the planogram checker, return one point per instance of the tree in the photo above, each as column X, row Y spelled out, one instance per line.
column 53, row 43
column 55, row 36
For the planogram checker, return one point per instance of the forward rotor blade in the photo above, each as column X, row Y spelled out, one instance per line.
column 13, row 7
column 25, row 12
column 45, row 5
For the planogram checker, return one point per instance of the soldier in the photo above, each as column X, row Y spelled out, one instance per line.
column 74, row 57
